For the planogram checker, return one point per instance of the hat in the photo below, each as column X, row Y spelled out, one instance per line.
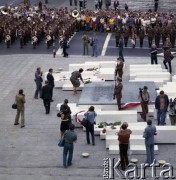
column 119, row 79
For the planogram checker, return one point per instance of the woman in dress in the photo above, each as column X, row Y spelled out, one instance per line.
column 65, row 117
column 75, row 76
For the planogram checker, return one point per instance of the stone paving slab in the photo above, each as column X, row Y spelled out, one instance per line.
column 32, row 152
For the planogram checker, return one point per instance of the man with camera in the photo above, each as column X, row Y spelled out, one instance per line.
column 172, row 111
column 145, row 98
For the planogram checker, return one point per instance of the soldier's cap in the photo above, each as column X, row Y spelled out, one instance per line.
column 119, row 79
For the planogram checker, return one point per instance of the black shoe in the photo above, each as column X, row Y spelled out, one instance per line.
column 23, row 126
column 70, row 164
column 16, row 124
column 52, row 100
column 93, row 144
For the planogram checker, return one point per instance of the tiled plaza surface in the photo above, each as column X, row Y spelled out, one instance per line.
column 32, row 153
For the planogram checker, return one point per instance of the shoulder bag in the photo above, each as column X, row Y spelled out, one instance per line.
column 84, row 122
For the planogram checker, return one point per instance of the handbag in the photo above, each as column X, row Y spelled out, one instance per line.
column 14, row 106
column 61, row 142
column 172, row 57
column 84, row 122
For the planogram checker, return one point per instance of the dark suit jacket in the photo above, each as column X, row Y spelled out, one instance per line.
column 46, row 92
column 157, row 102
column 50, row 79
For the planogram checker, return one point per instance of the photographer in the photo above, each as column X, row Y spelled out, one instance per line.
column 145, row 98
column 172, row 111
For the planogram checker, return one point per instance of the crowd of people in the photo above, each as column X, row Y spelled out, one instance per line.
column 38, row 23
column 34, row 24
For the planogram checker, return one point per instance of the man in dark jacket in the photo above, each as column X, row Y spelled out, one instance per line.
column 167, row 59
column 161, row 105
column 50, row 80
column 46, row 96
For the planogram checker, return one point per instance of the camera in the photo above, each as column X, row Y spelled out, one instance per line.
column 140, row 89
column 171, row 104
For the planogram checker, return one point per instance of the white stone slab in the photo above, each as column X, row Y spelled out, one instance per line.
column 155, row 75
column 134, row 70
column 145, row 65
column 158, row 82
column 114, row 116
column 174, row 78
column 103, row 64
column 169, row 92
column 106, row 73
column 134, row 140
column 74, row 67
column 164, row 133
column 135, row 149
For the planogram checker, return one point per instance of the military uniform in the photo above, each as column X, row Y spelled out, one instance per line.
column 141, row 36
column 117, row 35
column 126, row 36
column 150, row 36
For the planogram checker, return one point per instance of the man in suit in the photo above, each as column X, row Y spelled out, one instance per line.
column 118, row 92
column 50, row 80
column 46, row 95
column 148, row 134
column 38, row 80
column 20, row 100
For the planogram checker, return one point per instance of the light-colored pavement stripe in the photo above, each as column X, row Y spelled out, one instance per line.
column 106, row 44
